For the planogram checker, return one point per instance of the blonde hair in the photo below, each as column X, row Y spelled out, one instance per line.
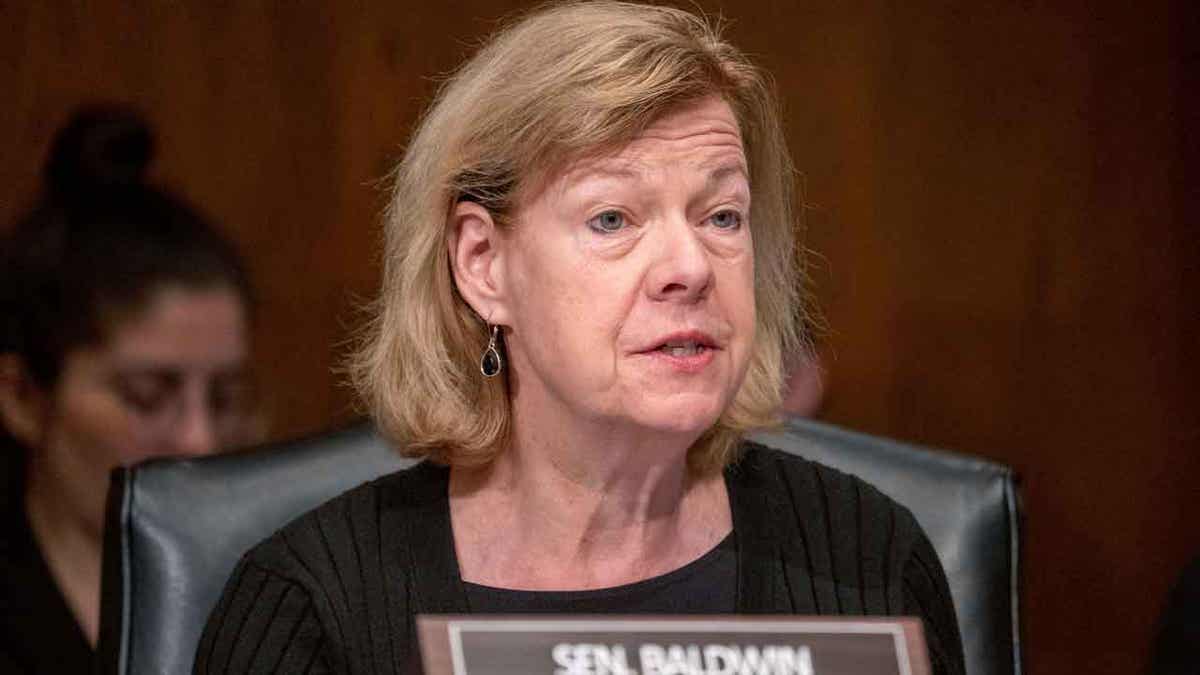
column 562, row 81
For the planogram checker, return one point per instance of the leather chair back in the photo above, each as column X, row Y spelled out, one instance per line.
column 176, row 528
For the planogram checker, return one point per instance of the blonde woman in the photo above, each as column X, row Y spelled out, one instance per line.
column 591, row 280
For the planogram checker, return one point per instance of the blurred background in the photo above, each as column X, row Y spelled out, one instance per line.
column 1003, row 212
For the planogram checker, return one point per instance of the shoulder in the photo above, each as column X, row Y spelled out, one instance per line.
column 317, row 588
column 341, row 531
column 848, row 548
column 844, row 534
column 859, row 550
column 803, row 487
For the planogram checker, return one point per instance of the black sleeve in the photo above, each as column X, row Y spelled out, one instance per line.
column 263, row 623
column 927, row 595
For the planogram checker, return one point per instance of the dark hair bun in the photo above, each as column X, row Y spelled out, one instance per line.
column 99, row 149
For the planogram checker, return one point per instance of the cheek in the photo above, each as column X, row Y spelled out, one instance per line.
column 565, row 298
column 567, row 320
column 749, row 306
column 97, row 429
column 739, row 298
column 736, row 280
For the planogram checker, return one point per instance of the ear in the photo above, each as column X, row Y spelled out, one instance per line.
column 476, row 248
column 22, row 403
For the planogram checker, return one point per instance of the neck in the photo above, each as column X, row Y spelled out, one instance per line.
column 69, row 537
column 584, row 508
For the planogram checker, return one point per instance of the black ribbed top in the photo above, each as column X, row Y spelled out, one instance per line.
column 338, row 590
column 707, row 585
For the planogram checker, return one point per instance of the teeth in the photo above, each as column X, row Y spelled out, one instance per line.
column 681, row 348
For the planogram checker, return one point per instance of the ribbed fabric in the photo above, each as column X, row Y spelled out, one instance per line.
column 339, row 588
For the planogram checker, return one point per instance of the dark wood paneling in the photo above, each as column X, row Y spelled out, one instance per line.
column 1002, row 196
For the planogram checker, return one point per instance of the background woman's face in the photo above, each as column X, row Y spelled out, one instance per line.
column 169, row 381
column 631, row 279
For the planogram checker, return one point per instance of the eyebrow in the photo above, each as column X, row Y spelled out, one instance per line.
column 725, row 171
column 624, row 170
column 146, row 370
column 173, row 372
column 159, row 376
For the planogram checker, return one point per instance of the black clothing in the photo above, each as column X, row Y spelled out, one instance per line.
column 338, row 590
column 704, row 586
column 1177, row 646
column 38, row 632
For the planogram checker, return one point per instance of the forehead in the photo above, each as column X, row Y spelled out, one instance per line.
column 183, row 327
column 701, row 134
column 706, row 122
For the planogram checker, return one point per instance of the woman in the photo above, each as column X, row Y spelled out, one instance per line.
column 590, row 284
column 124, row 337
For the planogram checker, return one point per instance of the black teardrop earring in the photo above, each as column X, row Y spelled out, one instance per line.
column 490, row 364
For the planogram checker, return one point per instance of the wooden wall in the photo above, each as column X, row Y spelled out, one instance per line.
column 1002, row 197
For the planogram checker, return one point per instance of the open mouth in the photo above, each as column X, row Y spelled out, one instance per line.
column 684, row 348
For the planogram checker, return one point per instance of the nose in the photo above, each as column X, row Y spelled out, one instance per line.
column 682, row 269
column 195, row 434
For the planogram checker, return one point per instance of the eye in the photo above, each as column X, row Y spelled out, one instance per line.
column 145, row 394
column 726, row 220
column 607, row 222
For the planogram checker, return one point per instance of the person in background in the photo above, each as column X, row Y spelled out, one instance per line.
column 591, row 281
column 1177, row 645
column 804, row 394
column 124, row 328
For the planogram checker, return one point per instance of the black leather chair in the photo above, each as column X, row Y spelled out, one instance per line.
column 176, row 528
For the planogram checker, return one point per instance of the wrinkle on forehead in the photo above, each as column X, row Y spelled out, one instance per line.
column 706, row 129
column 632, row 168
column 720, row 132
column 710, row 115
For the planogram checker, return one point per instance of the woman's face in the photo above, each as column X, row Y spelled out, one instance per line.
column 630, row 280
column 170, row 380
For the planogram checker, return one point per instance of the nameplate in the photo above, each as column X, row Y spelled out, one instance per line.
column 650, row 645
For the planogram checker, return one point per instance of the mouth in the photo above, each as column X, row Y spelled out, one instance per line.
column 683, row 349
column 684, row 345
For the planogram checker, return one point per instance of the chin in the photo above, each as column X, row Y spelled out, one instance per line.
column 688, row 415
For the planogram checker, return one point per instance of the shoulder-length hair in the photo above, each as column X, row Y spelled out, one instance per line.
column 562, row 81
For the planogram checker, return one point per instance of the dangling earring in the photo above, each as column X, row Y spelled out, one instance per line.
column 490, row 364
